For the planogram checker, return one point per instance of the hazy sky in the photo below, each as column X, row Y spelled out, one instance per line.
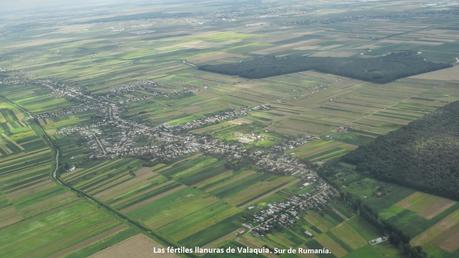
column 8, row 5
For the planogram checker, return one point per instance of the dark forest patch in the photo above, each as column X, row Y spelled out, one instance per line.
column 423, row 154
column 382, row 69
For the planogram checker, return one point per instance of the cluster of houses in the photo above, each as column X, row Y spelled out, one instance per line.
column 87, row 129
column 282, row 164
column 147, row 85
column 285, row 213
column 217, row 118
column 136, row 91
column 66, row 111
column 293, row 143
column 9, row 78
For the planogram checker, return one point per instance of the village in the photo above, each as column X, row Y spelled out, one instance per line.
column 169, row 143
column 112, row 137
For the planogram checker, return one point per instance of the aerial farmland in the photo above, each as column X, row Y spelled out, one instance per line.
column 258, row 125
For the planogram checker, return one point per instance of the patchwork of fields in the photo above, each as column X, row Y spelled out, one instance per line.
column 199, row 199
column 38, row 216
column 428, row 220
column 191, row 202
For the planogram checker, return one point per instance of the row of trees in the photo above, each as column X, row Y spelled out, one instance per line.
column 396, row 236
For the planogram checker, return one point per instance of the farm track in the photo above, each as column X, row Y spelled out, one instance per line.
column 40, row 131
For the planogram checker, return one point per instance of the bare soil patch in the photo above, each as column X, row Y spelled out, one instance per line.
column 450, row 240
column 426, row 205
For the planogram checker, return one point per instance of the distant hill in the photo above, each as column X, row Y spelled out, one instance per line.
column 381, row 69
column 423, row 154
